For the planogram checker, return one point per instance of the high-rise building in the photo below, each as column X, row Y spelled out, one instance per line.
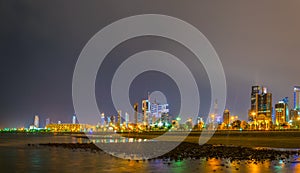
column 260, row 113
column 102, row 116
column 126, row 119
column 47, row 121
column 216, row 114
column 108, row 121
column 254, row 102
column 74, row 119
column 226, row 117
column 297, row 98
column 200, row 123
column 36, row 121
column 294, row 115
column 165, row 118
column 135, row 107
column 119, row 118
column 154, row 111
column 281, row 113
column 157, row 110
column 112, row 120
column 146, row 111
column 295, row 112
column 216, row 109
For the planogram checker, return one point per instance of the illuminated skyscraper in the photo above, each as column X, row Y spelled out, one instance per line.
column 216, row 114
column 36, row 121
column 165, row 118
column 126, row 119
column 216, row 109
column 108, row 121
column 254, row 102
column 226, row 117
column 47, row 121
column 102, row 119
column 297, row 98
column 112, row 120
column 74, row 119
column 135, row 107
column 295, row 113
column 119, row 118
column 260, row 113
column 157, row 110
column 154, row 112
column 281, row 112
column 145, row 110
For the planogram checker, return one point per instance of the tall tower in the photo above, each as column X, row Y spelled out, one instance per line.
column 226, row 116
column 36, row 121
column 47, row 121
column 261, row 107
column 135, row 107
column 216, row 116
column 102, row 119
column 74, row 119
column 255, row 92
column 126, row 119
column 295, row 112
column 281, row 112
column 112, row 120
column 145, row 110
column 216, row 110
column 297, row 98
column 119, row 118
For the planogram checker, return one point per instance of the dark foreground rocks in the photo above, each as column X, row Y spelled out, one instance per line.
column 194, row 151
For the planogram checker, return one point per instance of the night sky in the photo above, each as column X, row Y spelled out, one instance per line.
column 40, row 41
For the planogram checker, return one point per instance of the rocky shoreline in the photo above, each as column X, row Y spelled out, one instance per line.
column 188, row 150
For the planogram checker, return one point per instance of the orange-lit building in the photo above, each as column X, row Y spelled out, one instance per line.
column 66, row 127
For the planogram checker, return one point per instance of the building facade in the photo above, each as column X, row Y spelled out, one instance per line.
column 135, row 107
column 260, row 112
column 47, row 121
column 74, row 119
column 67, row 127
column 36, row 121
column 146, row 111
column 281, row 113
column 119, row 118
column 297, row 98
column 226, row 117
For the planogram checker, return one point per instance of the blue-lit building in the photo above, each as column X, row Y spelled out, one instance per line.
column 295, row 112
column 282, row 112
column 297, row 98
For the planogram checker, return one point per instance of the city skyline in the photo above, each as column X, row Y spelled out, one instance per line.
column 150, row 108
column 40, row 50
column 150, row 86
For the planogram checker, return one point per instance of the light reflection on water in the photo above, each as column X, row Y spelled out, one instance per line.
column 277, row 149
column 108, row 140
column 16, row 156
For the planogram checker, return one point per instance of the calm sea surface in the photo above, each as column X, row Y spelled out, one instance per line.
column 17, row 156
